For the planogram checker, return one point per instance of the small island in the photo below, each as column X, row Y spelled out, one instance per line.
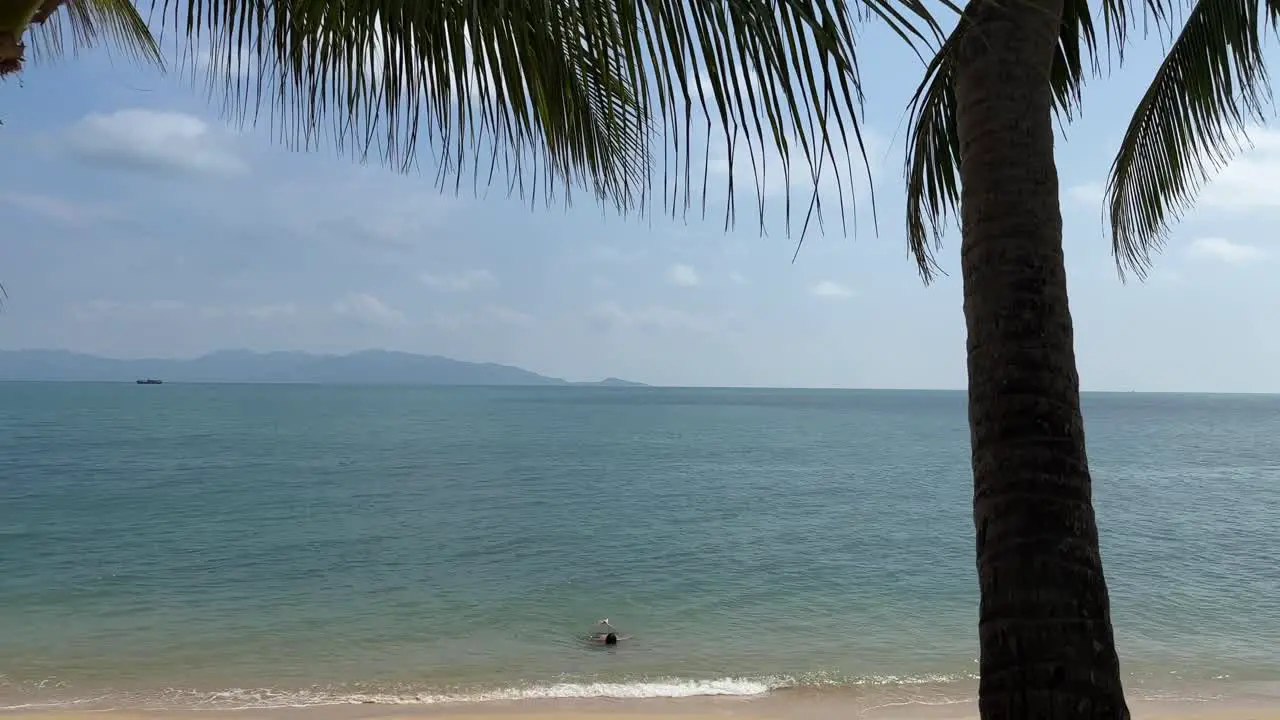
column 617, row 382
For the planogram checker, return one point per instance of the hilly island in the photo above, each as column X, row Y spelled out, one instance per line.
column 243, row 366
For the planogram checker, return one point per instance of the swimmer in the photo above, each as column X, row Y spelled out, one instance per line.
column 608, row 638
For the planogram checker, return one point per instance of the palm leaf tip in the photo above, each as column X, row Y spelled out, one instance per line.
column 933, row 160
column 1190, row 122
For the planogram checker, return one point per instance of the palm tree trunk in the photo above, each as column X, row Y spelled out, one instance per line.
column 1045, row 622
column 12, row 52
column 16, row 16
column 47, row 8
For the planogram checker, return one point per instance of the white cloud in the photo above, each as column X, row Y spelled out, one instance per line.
column 150, row 310
column 507, row 316
column 1249, row 182
column 366, row 206
column 116, row 310
column 610, row 316
column 368, row 309
column 1086, row 193
column 1223, row 250
column 398, row 221
column 57, row 209
column 271, row 312
column 152, row 140
column 610, row 254
column 464, row 281
column 830, row 289
column 682, row 275
column 261, row 313
column 491, row 316
column 737, row 278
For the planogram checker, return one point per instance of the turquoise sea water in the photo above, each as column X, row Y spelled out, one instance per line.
column 187, row 545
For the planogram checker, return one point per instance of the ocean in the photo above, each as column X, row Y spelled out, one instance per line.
column 234, row 546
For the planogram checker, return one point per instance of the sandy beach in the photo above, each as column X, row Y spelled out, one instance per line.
column 1260, row 707
column 1141, row 711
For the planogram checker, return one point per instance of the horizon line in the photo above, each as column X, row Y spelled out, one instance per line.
column 603, row 381
column 596, row 384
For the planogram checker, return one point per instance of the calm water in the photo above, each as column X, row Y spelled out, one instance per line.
column 233, row 545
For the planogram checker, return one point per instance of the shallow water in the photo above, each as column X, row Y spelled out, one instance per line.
column 278, row 545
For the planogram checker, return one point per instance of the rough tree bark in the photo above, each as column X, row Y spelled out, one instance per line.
column 1045, row 625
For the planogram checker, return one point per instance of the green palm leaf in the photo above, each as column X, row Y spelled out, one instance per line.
column 933, row 160
column 1190, row 121
column 81, row 24
column 933, row 149
column 556, row 93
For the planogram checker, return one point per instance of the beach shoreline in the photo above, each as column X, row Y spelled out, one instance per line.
column 703, row 708
column 1254, row 701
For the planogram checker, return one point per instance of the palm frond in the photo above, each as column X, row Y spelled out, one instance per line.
column 1190, row 121
column 1116, row 19
column 933, row 160
column 933, row 151
column 555, row 93
column 1077, row 41
column 77, row 25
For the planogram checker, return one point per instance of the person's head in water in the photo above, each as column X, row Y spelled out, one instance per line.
column 611, row 639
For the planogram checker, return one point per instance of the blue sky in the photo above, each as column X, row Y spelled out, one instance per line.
column 137, row 223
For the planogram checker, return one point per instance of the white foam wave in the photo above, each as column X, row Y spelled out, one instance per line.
column 255, row 699
column 638, row 689
column 671, row 688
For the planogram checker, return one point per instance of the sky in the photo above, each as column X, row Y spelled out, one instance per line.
column 138, row 223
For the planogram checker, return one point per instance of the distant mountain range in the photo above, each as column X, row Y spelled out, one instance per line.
column 368, row 367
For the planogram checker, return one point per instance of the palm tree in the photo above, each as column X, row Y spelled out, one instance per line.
column 567, row 92
column 982, row 139
column 1047, row 648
